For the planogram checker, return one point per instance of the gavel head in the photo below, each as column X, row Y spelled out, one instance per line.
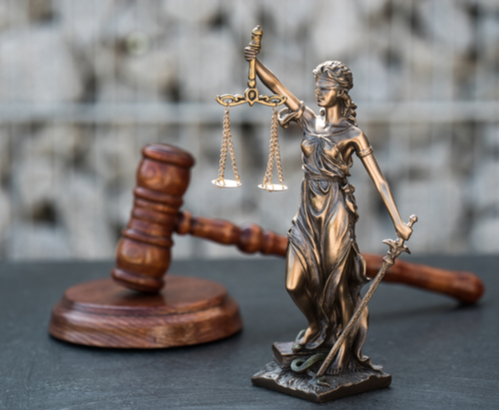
column 143, row 252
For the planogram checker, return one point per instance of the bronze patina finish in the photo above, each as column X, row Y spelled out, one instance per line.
column 325, row 270
column 251, row 97
column 396, row 248
column 251, row 94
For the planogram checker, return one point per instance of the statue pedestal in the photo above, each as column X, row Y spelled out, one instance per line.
column 278, row 376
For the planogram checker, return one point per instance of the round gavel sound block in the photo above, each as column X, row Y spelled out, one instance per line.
column 138, row 308
column 187, row 311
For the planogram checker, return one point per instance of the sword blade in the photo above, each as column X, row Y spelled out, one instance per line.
column 396, row 247
column 352, row 322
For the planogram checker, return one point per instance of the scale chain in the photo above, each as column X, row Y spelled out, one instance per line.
column 231, row 150
column 223, row 150
column 274, row 153
column 268, row 177
column 227, row 142
column 274, row 130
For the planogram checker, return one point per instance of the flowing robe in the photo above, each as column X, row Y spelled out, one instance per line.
column 322, row 238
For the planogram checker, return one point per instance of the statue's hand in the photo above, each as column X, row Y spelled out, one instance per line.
column 250, row 53
column 403, row 231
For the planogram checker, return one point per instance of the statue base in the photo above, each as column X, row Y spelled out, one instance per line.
column 278, row 376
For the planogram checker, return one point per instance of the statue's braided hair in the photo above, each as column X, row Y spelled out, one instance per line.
column 340, row 73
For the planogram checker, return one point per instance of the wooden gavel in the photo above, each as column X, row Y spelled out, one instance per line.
column 143, row 253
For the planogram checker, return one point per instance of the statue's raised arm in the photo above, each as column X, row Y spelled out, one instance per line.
column 270, row 80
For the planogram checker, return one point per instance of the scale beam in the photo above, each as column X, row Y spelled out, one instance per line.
column 251, row 95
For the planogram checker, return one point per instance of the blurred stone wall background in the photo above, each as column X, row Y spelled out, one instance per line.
column 85, row 84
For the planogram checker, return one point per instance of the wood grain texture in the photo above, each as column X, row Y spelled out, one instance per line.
column 143, row 252
column 188, row 311
column 250, row 238
column 462, row 285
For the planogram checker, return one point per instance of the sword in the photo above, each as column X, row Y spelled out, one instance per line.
column 396, row 247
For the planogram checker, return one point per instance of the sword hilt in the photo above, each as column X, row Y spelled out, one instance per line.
column 398, row 246
column 413, row 220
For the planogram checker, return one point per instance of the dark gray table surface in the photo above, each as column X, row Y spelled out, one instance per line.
column 441, row 355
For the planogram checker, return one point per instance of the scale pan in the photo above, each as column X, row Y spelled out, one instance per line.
column 226, row 183
column 273, row 187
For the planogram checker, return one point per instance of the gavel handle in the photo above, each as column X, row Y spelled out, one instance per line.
column 250, row 238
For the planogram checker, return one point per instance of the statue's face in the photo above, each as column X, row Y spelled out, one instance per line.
column 326, row 92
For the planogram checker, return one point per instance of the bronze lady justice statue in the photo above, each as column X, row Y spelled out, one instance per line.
column 325, row 270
